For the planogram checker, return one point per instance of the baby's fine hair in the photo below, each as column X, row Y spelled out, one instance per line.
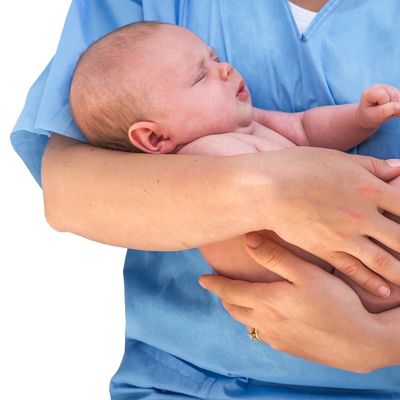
column 104, row 102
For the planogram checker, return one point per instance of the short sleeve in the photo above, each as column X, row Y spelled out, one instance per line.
column 46, row 108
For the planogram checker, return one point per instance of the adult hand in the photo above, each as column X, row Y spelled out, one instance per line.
column 340, row 197
column 312, row 314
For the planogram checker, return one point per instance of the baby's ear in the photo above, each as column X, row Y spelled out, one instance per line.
column 146, row 136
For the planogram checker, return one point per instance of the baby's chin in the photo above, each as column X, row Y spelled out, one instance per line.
column 371, row 303
column 245, row 121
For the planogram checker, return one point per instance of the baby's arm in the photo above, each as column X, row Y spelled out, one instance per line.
column 338, row 127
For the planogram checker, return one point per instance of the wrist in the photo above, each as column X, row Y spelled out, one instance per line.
column 252, row 183
column 361, row 121
column 367, row 350
column 386, row 338
column 258, row 188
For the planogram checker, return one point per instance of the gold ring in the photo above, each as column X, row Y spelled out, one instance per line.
column 253, row 334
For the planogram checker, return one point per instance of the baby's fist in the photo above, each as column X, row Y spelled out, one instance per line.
column 378, row 104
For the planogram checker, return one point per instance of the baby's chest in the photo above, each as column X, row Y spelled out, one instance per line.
column 264, row 139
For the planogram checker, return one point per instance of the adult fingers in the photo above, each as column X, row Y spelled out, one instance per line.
column 360, row 274
column 382, row 169
column 276, row 258
column 241, row 293
column 382, row 261
column 243, row 315
column 388, row 199
column 387, row 232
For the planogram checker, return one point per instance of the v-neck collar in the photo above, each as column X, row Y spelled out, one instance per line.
column 319, row 18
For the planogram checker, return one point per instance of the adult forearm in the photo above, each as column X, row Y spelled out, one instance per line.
column 170, row 202
column 143, row 201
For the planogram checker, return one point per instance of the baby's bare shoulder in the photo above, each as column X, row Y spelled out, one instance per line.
column 223, row 144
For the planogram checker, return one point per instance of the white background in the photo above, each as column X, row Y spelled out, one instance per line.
column 61, row 296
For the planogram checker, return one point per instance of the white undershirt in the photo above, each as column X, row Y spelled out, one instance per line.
column 302, row 17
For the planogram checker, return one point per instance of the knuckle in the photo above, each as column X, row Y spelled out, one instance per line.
column 368, row 282
column 273, row 255
column 371, row 190
column 368, row 189
column 381, row 261
column 372, row 166
column 351, row 268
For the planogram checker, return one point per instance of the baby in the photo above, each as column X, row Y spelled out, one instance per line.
column 158, row 88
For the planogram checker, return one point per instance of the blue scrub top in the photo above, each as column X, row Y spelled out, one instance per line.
column 180, row 342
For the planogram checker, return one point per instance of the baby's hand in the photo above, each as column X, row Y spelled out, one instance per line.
column 378, row 104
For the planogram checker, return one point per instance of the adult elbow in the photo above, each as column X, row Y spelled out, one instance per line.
column 53, row 216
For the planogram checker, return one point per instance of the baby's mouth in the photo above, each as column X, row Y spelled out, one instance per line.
column 241, row 86
column 242, row 92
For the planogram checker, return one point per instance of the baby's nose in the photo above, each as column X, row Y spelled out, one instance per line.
column 225, row 69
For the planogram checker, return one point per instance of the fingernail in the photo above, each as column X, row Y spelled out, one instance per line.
column 202, row 284
column 394, row 162
column 384, row 291
column 253, row 239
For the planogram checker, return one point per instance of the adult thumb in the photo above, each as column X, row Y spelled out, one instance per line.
column 382, row 169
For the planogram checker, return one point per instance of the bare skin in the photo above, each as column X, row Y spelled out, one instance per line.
column 230, row 259
column 311, row 5
column 295, row 321
column 92, row 192
column 97, row 194
column 377, row 104
column 311, row 314
column 200, row 105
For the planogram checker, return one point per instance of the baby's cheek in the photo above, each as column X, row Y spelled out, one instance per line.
column 373, row 304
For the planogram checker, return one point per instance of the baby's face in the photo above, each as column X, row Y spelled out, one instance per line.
column 191, row 92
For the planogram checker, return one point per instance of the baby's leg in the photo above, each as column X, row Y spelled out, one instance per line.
column 229, row 258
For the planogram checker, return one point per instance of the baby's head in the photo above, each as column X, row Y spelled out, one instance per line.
column 152, row 87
